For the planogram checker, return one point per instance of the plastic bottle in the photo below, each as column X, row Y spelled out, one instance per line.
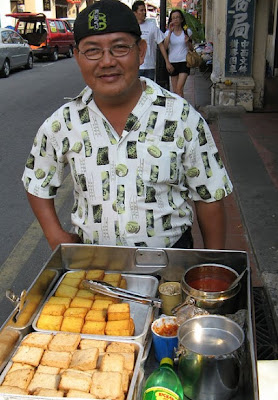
column 163, row 383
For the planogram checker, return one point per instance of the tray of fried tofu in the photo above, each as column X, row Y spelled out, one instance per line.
column 71, row 308
column 70, row 365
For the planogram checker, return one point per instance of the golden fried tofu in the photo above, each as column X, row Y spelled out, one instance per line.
column 72, row 324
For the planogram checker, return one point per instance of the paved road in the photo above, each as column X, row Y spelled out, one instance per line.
column 27, row 98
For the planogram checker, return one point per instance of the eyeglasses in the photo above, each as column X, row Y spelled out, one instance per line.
column 118, row 50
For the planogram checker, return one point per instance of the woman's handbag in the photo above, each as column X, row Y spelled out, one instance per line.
column 193, row 59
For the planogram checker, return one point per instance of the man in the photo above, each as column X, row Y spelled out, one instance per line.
column 153, row 36
column 137, row 153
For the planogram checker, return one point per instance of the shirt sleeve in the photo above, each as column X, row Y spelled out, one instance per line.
column 43, row 173
column 205, row 173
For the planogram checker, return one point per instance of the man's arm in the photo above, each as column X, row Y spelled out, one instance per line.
column 212, row 222
column 44, row 210
column 169, row 66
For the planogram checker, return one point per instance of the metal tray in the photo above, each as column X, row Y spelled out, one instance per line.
column 133, row 386
column 142, row 314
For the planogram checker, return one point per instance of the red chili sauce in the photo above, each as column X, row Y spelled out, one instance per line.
column 166, row 330
column 209, row 284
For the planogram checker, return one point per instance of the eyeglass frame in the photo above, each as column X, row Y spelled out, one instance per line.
column 128, row 47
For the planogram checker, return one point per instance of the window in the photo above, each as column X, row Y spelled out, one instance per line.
column 61, row 27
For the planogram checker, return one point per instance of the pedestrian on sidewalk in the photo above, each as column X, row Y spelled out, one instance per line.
column 151, row 33
column 178, row 43
column 138, row 154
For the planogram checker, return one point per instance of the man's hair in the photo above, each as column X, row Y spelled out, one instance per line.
column 137, row 4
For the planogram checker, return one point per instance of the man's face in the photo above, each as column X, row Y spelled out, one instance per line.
column 140, row 14
column 110, row 77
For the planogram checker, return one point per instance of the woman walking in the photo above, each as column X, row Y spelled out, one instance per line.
column 178, row 42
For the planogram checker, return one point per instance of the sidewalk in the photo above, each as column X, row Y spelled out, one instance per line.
column 248, row 143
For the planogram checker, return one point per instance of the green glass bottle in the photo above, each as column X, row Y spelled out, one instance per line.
column 163, row 383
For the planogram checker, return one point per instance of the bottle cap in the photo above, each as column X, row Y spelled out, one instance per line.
column 167, row 360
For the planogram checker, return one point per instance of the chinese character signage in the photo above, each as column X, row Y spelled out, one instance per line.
column 239, row 37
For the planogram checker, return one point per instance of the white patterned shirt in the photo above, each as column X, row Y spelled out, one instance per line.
column 133, row 190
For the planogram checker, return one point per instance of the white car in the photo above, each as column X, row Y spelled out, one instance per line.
column 15, row 52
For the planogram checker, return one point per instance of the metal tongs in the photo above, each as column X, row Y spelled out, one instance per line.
column 112, row 291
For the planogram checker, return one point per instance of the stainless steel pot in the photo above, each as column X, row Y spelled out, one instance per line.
column 208, row 285
column 210, row 348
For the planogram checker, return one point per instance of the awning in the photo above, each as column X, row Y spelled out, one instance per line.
column 74, row 1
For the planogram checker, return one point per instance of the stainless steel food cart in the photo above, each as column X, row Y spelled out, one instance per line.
column 150, row 265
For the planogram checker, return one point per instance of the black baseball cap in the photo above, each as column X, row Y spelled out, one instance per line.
column 105, row 16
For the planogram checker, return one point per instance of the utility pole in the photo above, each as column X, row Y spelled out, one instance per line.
column 162, row 77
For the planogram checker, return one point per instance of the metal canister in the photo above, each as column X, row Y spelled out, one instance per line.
column 208, row 285
column 210, row 352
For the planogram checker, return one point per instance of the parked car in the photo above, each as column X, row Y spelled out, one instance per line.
column 15, row 52
column 48, row 37
column 71, row 21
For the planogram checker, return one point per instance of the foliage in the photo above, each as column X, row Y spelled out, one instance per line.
column 198, row 31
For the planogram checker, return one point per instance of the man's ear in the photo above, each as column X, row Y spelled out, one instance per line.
column 142, row 50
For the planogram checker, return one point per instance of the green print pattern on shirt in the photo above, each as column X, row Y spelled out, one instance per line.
column 180, row 142
column 52, row 191
column 86, row 212
column 50, row 175
column 102, row 156
column 95, row 237
column 132, row 227
column 150, row 223
column 139, row 184
column 56, row 126
column 132, row 123
column 97, row 213
column 150, row 195
column 193, row 172
column 154, row 151
column 203, row 192
column 173, row 165
column 151, row 122
column 131, row 150
column 219, row 194
column 142, row 137
column 187, row 133
column 121, row 170
column 166, row 222
column 120, row 199
column 39, row 173
column 84, row 115
column 43, row 146
column 82, row 182
column 154, row 173
column 169, row 131
column 30, row 163
column 66, row 145
column 66, row 114
column 72, row 162
column 105, row 185
column 109, row 133
column 208, row 170
column 202, row 135
column 218, row 160
column 170, row 198
column 226, row 184
column 77, row 147
column 160, row 101
column 185, row 111
column 87, row 143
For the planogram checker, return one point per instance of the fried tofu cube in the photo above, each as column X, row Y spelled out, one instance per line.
column 101, row 304
column 66, row 291
column 76, row 312
column 106, row 385
column 12, row 390
column 96, row 315
column 118, row 312
column 72, row 324
column 94, row 327
column 74, row 379
column 45, row 369
column 79, row 394
column 112, row 362
column 85, row 359
column 95, row 274
column 46, row 381
column 53, row 309
column 123, row 283
column 112, row 278
column 50, row 322
column 91, row 343
column 86, row 294
column 118, row 328
column 132, row 327
column 36, row 339
column 60, row 300
column 125, row 381
column 19, row 378
column 59, row 359
column 74, row 282
column 77, row 274
column 48, row 392
column 28, row 355
column 81, row 302
column 120, row 347
column 65, row 342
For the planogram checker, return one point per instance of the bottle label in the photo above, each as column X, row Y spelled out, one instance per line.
column 160, row 393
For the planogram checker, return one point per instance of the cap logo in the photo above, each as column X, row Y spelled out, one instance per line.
column 97, row 21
